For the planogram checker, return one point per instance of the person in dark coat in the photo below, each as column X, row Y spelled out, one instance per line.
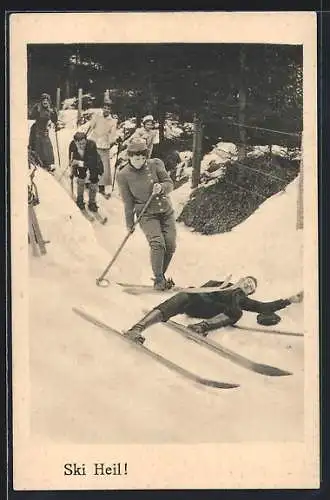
column 85, row 161
column 217, row 309
column 39, row 140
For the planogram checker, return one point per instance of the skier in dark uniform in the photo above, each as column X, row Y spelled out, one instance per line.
column 217, row 309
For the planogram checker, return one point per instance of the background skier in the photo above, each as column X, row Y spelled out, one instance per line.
column 146, row 132
column 84, row 160
column 103, row 130
column 39, row 140
column 217, row 309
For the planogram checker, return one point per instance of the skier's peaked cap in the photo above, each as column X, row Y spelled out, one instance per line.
column 137, row 145
column 268, row 319
column 45, row 96
column 148, row 118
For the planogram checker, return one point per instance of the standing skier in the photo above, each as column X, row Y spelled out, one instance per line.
column 102, row 131
column 218, row 309
column 84, row 160
column 137, row 180
column 39, row 140
column 146, row 132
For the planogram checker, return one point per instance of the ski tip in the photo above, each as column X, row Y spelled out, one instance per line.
column 272, row 371
column 219, row 385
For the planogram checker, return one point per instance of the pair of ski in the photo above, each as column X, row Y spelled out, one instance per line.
column 134, row 289
column 240, row 360
column 94, row 216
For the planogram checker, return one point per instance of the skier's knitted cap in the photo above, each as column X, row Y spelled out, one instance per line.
column 137, row 145
column 45, row 96
column 148, row 118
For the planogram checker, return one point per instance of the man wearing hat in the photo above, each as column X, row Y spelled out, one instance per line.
column 103, row 131
column 137, row 180
column 146, row 132
column 217, row 309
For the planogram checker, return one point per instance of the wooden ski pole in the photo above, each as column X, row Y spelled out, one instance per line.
column 115, row 169
column 101, row 281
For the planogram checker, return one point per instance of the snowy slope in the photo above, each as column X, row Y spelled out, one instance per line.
column 87, row 386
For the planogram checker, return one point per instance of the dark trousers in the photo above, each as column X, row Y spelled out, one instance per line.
column 175, row 305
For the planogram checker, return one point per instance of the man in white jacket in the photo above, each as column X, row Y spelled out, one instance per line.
column 103, row 130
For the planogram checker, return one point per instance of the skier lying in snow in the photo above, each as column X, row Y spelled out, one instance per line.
column 218, row 309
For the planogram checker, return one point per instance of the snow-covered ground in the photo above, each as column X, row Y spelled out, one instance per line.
column 90, row 387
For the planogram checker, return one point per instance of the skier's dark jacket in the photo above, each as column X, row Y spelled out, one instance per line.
column 232, row 303
column 91, row 159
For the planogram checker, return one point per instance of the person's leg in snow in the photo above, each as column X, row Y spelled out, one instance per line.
column 150, row 225
column 168, row 227
column 92, row 190
column 105, row 179
column 80, row 193
column 160, row 232
column 171, row 307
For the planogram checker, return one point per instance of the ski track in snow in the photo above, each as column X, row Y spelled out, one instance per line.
column 89, row 387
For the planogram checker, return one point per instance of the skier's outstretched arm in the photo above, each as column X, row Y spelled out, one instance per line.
column 269, row 307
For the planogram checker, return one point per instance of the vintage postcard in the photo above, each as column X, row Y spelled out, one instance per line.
column 165, row 263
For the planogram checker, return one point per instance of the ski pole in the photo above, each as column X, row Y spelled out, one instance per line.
column 115, row 169
column 101, row 281
column 58, row 150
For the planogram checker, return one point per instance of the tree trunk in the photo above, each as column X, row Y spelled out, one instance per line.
column 242, row 106
column 197, row 152
column 161, row 121
column 58, row 98
column 80, row 92
column 67, row 88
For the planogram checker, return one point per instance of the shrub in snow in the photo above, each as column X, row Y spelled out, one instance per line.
column 235, row 194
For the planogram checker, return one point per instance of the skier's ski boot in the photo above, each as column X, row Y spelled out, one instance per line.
column 92, row 207
column 169, row 283
column 134, row 334
column 80, row 204
column 160, row 283
column 151, row 318
column 103, row 193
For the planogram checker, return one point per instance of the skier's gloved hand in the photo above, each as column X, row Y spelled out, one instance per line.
column 200, row 328
column 295, row 299
column 157, row 188
column 131, row 229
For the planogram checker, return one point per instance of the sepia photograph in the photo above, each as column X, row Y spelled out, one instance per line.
column 169, row 252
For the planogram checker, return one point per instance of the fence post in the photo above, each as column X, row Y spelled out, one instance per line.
column 58, row 98
column 106, row 98
column 197, row 152
column 79, row 106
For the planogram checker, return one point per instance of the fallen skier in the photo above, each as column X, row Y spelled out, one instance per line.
column 217, row 309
